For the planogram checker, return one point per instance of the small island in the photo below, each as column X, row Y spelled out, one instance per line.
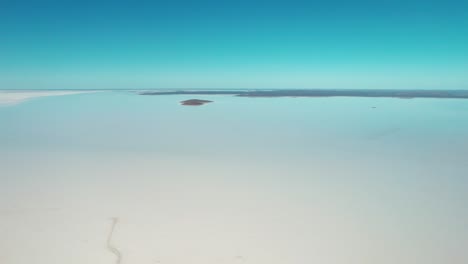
column 195, row 102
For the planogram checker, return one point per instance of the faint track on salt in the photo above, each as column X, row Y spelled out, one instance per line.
column 111, row 247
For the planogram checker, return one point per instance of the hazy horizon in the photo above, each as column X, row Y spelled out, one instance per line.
column 221, row 89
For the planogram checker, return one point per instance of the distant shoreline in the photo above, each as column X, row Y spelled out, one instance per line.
column 373, row 93
column 403, row 94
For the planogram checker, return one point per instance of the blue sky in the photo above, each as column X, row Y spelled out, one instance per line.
column 235, row 44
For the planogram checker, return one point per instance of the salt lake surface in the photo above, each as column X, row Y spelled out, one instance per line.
column 116, row 177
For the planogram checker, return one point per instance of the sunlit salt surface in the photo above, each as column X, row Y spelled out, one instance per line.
column 18, row 96
column 115, row 177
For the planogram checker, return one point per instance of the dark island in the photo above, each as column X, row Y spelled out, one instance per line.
column 195, row 102
column 404, row 94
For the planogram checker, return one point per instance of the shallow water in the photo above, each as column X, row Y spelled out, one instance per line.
column 239, row 180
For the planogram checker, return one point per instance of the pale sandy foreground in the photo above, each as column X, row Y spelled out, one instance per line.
column 122, row 178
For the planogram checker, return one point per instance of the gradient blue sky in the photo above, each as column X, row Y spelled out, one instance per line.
column 235, row 44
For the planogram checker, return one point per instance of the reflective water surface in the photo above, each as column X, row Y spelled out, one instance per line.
column 116, row 177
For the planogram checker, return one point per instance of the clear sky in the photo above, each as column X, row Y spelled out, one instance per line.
column 233, row 44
